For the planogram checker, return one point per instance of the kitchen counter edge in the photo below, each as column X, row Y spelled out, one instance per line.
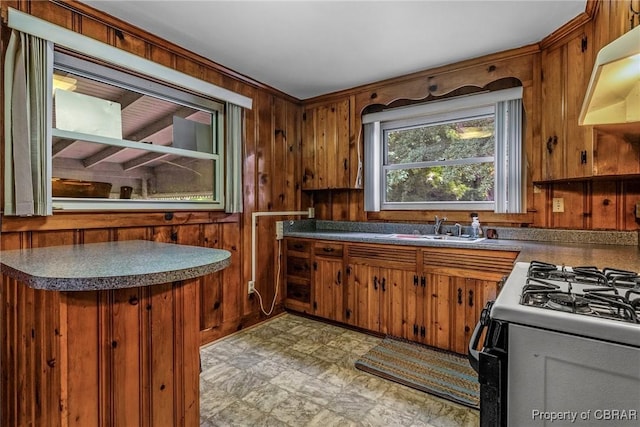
column 110, row 265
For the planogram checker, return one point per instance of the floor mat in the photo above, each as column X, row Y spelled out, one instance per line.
column 444, row 374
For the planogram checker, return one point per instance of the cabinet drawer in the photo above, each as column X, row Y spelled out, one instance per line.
column 298, row 267
column 298, row 245
column 298, row 290
column 328, row 249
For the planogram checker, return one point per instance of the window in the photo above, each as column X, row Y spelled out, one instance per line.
column 461, row 153
column 117, row 131
column 123, row 141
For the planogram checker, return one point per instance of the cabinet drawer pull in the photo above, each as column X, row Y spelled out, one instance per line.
column 298, row 246
column 415, row 329
column 459, row 296
column 345, row 164
column 423, row 281
column 470, row 298
column 348, row 313
column 375, row 283
column 415, row 280
column 339, row 279
column 326, row 249
column 384, row 283
column 423, row 331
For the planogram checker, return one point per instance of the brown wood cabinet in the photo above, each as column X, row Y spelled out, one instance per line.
column 325, row 146
column 328, row 281
column 298, row 286
column 567, row 149
column 378, row 280
column 429, row 295
column 458, row 283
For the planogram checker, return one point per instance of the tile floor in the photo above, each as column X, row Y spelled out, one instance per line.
column 293, row 371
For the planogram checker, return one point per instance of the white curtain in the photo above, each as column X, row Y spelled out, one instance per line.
column 27, row 118
column 233, row 148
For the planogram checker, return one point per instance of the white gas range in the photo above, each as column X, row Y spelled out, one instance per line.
column 562, row 348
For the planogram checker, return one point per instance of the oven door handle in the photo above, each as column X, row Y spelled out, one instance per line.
column 473, row 354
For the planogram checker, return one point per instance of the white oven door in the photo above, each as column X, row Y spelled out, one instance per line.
column 558, row 380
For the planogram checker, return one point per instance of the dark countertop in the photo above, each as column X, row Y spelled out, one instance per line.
column 570, row 254
column 111, row 265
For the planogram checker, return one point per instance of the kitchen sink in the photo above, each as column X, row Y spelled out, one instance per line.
column 465, row 238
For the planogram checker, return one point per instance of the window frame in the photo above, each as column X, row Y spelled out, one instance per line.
column 84, row 46
column 87, row 68
column 509, row 173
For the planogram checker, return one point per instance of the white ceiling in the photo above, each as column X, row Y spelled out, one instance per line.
column 310, row 48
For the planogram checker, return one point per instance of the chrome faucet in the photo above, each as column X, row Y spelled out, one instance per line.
column 458, row 228
column 438, row 224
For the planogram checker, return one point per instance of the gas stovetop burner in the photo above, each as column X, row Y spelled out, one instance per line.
column 569, row 303
column 608, row 293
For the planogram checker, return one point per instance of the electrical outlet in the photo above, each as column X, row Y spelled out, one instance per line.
column 252, row 287
column 558, row 204
column 279, row 230
column 312, row 212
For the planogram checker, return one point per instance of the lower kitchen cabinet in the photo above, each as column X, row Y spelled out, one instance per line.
column 328, row 281
column 458, row 284
column 378, row 282
column 298, row 286
column 429, row 295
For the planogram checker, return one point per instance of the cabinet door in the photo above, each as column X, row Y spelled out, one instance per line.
column 328, row 286
column 325, row 146
column 552, row 114
column 438, row 317
column 579, row 144
column 365, row 282
column 395, row 285
column 470, row 296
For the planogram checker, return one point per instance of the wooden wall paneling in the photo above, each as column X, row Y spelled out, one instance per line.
column 49, row 11
column 91, row 28
column 233, row 286
column 125, row 356
column 54, row 238
column 49, row 327
column 97, row 235
column 575, row 206
column 9, row 241
column 133, row 233
column 541, row 211
column 605, row 200
column 631, row 196
column 279, row 155
column 292, row 171
column 188, row 365
column 211, row 306
column 340, row 205
column 162, row 357
column 83, row 352
column 250, row 184
column 128, row 42
column 161, row 56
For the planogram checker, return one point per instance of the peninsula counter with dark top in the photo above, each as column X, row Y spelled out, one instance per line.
column 102, row 334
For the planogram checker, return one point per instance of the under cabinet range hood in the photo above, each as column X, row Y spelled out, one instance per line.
column 613, row 94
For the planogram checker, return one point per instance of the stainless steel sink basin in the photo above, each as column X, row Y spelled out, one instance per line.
column 442, row 237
